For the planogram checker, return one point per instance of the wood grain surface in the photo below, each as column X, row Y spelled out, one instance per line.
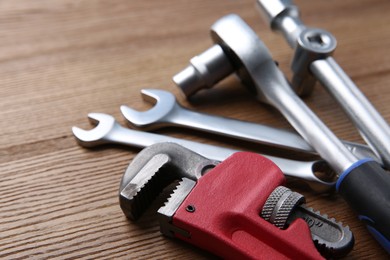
column 60, row 60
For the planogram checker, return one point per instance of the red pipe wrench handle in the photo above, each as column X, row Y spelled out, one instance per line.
column 221, row 213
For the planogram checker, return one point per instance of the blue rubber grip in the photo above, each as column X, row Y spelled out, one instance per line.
column 366, row 188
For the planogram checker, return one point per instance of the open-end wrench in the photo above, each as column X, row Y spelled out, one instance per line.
column 312, row 59
column 109, row 131
column 363, row 183
column 167, row 112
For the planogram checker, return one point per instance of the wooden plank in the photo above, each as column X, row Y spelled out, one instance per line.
column 60, row 60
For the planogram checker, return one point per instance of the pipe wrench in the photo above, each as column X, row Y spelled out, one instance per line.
column 236, row 209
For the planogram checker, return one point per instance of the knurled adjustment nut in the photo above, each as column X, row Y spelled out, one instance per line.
column 278, row 206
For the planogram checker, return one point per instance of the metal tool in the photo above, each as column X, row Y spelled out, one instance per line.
column 362, row 183
column 284, row 206
column 109, row 131
column 312, row 59
column 168, row 112
column 218, row 209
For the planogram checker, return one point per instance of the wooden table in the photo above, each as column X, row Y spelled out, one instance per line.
column 60, row 60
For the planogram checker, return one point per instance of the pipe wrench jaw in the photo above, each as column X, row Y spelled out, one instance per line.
column 152, row 170
column 223, row 211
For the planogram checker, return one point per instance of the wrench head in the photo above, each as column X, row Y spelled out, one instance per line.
column 164, row 102
column 103, row 125
column 250, row 57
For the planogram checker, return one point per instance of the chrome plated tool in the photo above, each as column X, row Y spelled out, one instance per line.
column 109, row 131
column 167, row 112
column 363, row 183
column 313, row 60
column 236, row 209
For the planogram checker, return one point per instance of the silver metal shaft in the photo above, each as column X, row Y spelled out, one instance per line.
column 313, row 130
column 283, row 17
column 373, row 128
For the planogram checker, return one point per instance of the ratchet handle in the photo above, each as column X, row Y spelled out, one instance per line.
column 366, row 188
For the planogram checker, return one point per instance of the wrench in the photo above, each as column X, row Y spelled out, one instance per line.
column 363, row 183
column 108, row 130
column 168, row 112
column 200, row 199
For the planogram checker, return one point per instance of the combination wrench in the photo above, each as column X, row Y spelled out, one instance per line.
column 168, row 112
column 109, row 131
column 363, row 183
column 312, row 59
